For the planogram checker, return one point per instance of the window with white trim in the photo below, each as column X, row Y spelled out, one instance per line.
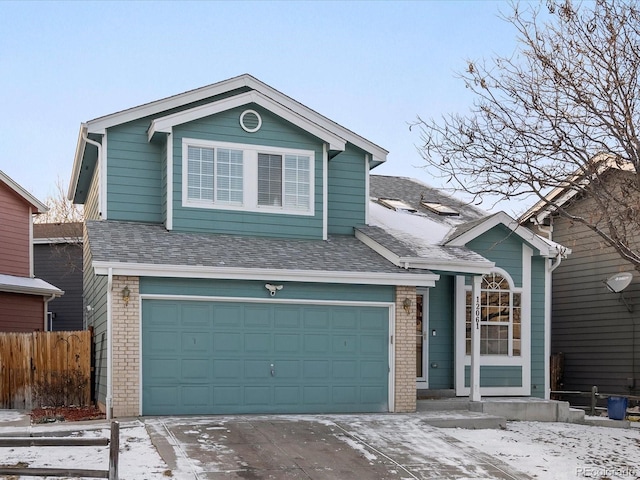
column 247, row 177
column 500, row 317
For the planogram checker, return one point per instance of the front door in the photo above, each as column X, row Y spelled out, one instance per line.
column 422, row 339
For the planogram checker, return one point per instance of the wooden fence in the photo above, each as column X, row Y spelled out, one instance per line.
column 45, row 369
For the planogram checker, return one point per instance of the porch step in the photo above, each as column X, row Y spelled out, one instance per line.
column 443, row 404
column 464, row 419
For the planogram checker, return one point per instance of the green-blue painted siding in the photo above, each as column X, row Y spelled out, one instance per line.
column 441, row 347
column 275, row 132
column 256, row 289
column 538, row 267
column 496, row 376
column 502, row 246
column 346, row 191
column 134, row 177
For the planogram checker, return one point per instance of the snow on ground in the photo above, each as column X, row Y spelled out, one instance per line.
column 545, row 451
column 560, row 451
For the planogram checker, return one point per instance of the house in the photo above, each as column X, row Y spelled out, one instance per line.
column 234, row 263
column 57, row 259
column 594, row 327
column 24, row 298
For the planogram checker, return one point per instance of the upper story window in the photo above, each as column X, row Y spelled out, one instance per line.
column 247, row 177
column 500, row 317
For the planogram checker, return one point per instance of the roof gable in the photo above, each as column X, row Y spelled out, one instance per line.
column 21, row 192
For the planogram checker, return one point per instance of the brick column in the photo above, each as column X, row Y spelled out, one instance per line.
column 405, row 350
column 125, row 358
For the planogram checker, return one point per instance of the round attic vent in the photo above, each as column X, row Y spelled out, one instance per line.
column 250, row 121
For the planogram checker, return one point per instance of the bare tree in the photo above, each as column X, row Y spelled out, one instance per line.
column 61, row 209
column 558, row 114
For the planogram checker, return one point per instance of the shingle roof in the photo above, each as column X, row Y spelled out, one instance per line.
column 137, row 243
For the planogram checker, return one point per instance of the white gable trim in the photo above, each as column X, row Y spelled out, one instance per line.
column 230, row 273
column 33, row 201
column 547, row 249
column 164, row 124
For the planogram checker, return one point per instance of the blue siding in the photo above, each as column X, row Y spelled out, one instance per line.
column 346, row 190
column 441, row 347
column 276, row 132
column 501, row 246
column 134, row 177
column 256, row 289
column 537, row 327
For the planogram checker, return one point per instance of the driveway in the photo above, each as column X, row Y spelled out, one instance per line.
column 344, row 447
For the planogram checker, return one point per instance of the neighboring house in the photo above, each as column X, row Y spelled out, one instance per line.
column 57, row 253
column 234, row 263
column 23, row 298
column 595, row 329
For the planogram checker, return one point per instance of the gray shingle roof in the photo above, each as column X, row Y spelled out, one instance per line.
column 137, row 243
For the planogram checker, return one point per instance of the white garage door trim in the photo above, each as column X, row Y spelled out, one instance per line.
column 390, row 305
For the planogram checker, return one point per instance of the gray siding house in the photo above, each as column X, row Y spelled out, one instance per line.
column 596, row 330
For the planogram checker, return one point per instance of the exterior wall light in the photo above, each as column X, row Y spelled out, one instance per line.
column 126, row 295
column 272, row 288
column 406, row 304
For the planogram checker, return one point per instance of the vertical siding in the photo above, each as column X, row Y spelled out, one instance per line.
column 61, row 265
column 599, row 337
column 134, row 174
column 21, row 313
column 346, row 191
column 441, row 347
column 14, row 233
column 275, row 132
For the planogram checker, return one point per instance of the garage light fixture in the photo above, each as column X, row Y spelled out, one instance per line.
column 272, row 288
column 406, row 304
column 126, row 295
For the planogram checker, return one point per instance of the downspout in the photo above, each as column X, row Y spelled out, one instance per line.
column 46, row 310
column 109, row 399
column 98, row 145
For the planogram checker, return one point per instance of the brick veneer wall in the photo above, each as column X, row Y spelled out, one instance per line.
column 126, row 347
column 405, row 348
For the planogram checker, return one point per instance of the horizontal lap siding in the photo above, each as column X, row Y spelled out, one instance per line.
column 21, row 313
column 275, row 132
column 537, row 327
column 599, row 337
column 502, row 246
column 347, row 194
column 14, row 233
column 256, row 289
column 134, row 174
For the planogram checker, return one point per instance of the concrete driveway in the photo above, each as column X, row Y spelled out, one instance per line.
column 318, row 447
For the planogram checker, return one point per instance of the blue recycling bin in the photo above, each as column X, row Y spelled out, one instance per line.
column 617, row 408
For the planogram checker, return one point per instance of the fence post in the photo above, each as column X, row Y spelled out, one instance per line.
column 594, row 400
column 114, row 449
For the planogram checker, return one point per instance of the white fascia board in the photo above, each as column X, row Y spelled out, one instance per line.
column 231, row 273
column 458, row 266
column 546, row 249
column 27, row 285
column 77, row 162
column 33, row 201
column 99, row 125
column 57, row 240
column 164, row 124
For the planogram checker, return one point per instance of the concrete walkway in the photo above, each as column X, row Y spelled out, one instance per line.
column 343, row 447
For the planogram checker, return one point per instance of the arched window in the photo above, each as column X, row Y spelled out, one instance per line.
column 500, row 317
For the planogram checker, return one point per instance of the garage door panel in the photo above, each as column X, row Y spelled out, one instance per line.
column 195, row 342
column 227, row 342
column 326, row 358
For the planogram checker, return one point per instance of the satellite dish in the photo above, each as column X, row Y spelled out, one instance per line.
column 618, row 282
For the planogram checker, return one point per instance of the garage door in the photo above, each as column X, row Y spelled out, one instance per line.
column 224, row 357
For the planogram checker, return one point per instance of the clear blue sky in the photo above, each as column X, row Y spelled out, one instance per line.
column 370, row 66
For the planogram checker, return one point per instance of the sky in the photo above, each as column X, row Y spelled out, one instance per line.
column 371, row 66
